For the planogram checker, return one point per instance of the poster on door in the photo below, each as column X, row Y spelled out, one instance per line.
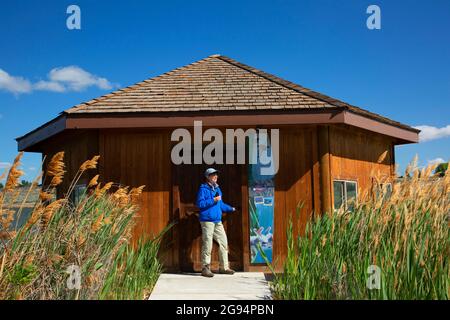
column 261, row 212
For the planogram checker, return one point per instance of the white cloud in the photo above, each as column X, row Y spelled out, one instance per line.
column 436, row 161
column 71, row 78
column 76, row 79
column 49, row 86
column 429, row 133
column 13, row 84
column 5, row 165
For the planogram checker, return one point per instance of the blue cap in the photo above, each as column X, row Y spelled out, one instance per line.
column 210, row 171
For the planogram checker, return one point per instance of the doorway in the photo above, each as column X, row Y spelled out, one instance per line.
column 186, row 179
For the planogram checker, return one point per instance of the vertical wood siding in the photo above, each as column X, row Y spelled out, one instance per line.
column 293, row 184
column 142, row 158
column 78, row 147
column 355, row 154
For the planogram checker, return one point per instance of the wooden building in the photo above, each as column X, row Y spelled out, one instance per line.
column 328, row 150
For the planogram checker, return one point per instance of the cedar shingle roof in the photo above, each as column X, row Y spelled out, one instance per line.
column 216, row 83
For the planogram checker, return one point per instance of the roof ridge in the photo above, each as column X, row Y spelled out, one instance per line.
column 324, row 100
column 287, row 84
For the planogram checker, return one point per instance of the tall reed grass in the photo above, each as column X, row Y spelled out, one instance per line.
column 405, row 233
column 68, row 250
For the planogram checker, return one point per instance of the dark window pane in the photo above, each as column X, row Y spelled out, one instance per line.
column 351, row 194
column 338, row 191
column 77, row 193
column 388, row 191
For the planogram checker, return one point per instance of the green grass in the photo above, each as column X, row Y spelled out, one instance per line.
column 406, row 235
column 134, row 272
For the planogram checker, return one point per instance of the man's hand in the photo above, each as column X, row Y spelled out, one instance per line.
column 217, row 199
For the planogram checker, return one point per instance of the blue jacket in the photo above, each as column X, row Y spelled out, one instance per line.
column 210, row 210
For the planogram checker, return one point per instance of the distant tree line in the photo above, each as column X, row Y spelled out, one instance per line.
column 23, row 183
column 441, row 169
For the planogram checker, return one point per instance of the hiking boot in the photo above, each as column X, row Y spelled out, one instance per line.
column 206, row 272
column 226, row 271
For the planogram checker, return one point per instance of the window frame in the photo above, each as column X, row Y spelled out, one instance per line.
column 78, row 191
column 391, row 189
column 345, row 198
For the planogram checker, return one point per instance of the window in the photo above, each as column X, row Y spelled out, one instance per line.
column 345, row 193
column 388, row 187
column 384, row 189
column 78, row 193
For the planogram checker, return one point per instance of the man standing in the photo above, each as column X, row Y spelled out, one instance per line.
column 209, row 201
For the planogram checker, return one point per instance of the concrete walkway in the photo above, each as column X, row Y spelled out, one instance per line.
column 192, row 286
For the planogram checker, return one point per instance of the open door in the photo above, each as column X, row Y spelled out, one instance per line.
column 186, row 181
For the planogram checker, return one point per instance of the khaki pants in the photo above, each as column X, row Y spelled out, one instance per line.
column 210, row 231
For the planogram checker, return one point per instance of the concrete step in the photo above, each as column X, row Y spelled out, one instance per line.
column 192, row 286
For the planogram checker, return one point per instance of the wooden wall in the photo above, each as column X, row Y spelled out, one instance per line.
column 129, row 158
column 294, row 184
column 359, row 155
column 353, row 154
column 78, row 146
column 142, row 157
column 134, row 158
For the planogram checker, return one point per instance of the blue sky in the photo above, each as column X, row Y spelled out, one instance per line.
column 401, row 71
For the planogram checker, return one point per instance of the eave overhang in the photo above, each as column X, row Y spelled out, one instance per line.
column 64, row 121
